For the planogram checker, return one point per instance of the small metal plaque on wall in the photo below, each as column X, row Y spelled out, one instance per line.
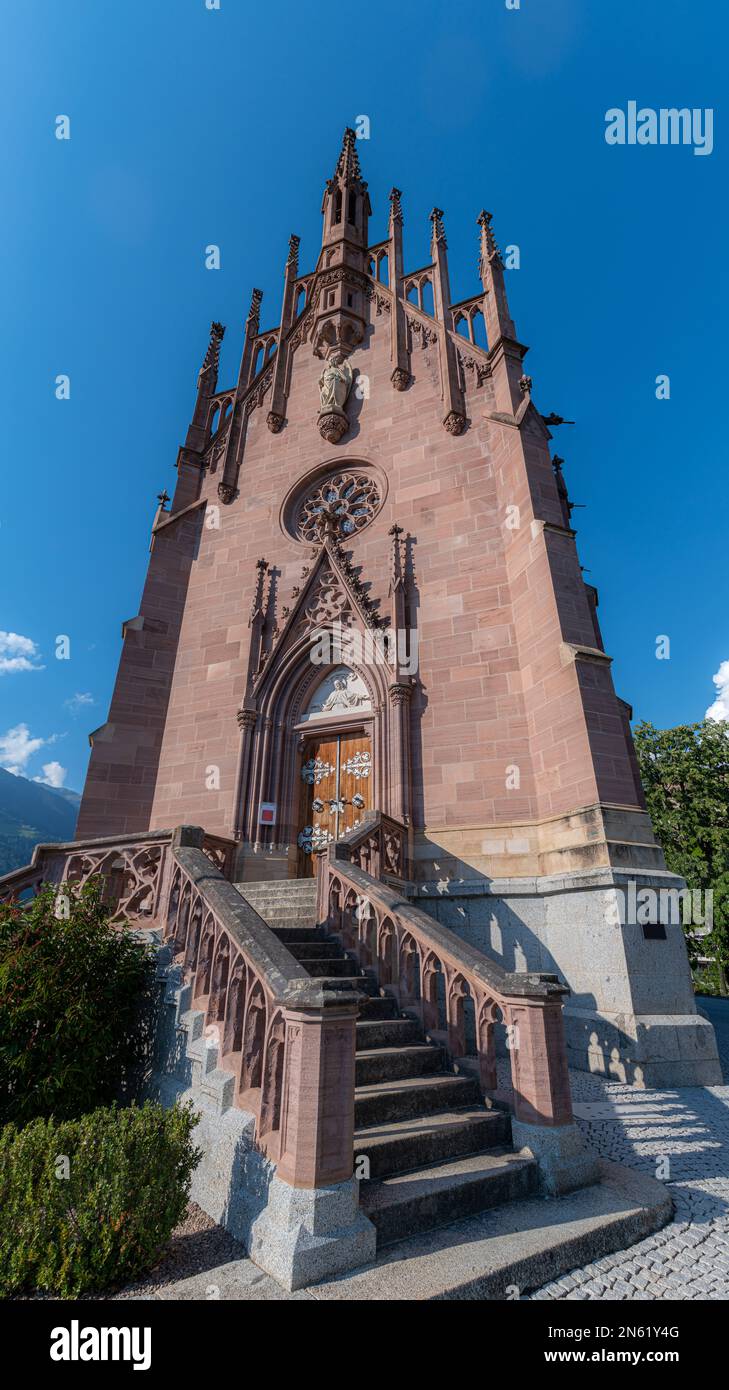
column 267, row 813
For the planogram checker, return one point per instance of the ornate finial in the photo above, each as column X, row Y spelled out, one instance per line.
column 436, row 218
column 525, row 385
column 212, row 356
column 163, row 499
column 396, row 573
column 395, row 205
column 489, row 249
column 348, row 162
column 257, row 601
column 252, row 321
column 293, row 257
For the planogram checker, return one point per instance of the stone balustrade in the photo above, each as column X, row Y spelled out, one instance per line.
column 132, row 867
column 379, row 846
column 459, row 995
column 288, row 1041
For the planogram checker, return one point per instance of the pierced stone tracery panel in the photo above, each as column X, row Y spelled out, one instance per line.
column 355, row 499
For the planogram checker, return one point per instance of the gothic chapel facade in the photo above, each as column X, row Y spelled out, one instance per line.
column 377, row 479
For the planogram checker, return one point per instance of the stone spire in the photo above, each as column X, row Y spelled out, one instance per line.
column 400, row 374
column 277, row 411
column 207, row 381
column 454, row 410
column 346, row 205
column 348, row 163
column 499, row 323
column 207, row 378
column 438, row 235
column 505, row 352
column 251, row 333
column 341, row 321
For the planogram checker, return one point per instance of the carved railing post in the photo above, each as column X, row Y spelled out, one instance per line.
column 539, row 1063
column 322, row 887
column 317, row 1141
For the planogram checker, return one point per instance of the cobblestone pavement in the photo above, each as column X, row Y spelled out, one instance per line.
column 682, row 1138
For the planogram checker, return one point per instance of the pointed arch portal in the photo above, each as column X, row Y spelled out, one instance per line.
column 324, row 741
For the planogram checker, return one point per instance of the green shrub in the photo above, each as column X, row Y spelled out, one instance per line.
column 71, row 1030
column 90, row 1202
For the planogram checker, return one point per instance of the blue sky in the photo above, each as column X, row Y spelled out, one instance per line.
column 192, row 126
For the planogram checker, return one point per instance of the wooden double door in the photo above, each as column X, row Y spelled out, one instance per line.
column 336, row 775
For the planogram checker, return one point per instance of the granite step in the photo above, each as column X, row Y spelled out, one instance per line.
column 379, row 1006
column 444, row 1192
column 404, row 1099
column 284, row 914
column 291, row 934
column 277, row 892
column 318, row 949
column 391, row 1032
column 298, row 922
column 401, row 1146
column 394, row 1063
column 268, row 885
column 331, row 965
column 364, row 983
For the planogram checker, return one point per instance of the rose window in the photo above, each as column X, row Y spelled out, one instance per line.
column 353, row 498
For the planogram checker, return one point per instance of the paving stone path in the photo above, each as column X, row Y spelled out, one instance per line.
column 682, row 1138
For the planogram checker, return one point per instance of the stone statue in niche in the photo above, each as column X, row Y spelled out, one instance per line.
column 335, row 384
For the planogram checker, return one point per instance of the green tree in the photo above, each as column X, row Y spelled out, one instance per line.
column 72, row 989
column 685, row 773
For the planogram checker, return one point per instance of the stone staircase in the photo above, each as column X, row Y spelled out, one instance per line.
column 431, row 1151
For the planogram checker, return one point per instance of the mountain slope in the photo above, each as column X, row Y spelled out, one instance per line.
column 31, row 814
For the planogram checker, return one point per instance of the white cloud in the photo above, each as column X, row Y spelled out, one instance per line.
column 17, row 747
column 18, row 653
column 79, row 701
column 53, row 775
column 720, row 707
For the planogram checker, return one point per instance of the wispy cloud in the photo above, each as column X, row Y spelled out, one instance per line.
column 79, row 701
column 53, row 775
column 720, row 707
column 18, row 654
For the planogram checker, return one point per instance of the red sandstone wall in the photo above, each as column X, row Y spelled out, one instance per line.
column 495, row 608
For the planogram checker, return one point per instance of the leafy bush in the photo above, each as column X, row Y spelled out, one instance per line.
column 90, row 1202
column 685, row 775
column 70, row 991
